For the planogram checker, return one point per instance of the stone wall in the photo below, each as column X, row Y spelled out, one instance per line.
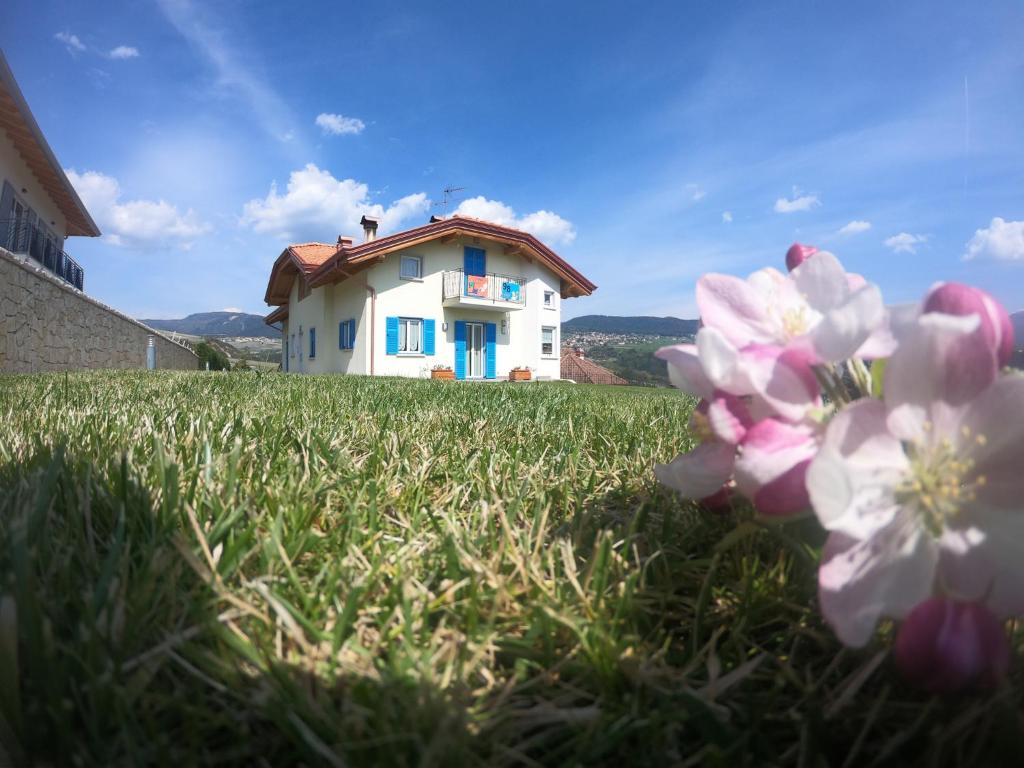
column 46, row 325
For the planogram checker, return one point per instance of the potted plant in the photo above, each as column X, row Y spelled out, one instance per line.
column 442, row 372
column 519, row 373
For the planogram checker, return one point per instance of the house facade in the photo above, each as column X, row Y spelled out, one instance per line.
column 459, row 292
column 38, row 206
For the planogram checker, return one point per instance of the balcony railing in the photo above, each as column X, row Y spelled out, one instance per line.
column 492, row 288
column 18, row 236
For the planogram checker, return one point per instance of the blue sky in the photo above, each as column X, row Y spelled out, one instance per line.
column 647, row 144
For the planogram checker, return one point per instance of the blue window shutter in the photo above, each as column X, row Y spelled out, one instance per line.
column 428, row 336
column 475, row 261
column 341, row 335
column 352, row 334
column 460, row 349
column 312, row 342
column 491, row 337
column 392, row 336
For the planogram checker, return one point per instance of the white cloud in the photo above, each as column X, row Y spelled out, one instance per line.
column 71, row 42
column 695, row 193
column 123, row 52
column 548, row 226
column 233, row 309
column 317, row 206
column 1001, row 240
column 905, row 242
column 798, row 202
column 727, row 217
column 140, row 224
column 855, row 227
column 339, row 125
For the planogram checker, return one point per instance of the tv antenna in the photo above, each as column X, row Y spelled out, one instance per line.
column 448, row 195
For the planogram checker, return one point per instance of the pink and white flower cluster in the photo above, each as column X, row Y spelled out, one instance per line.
column 898, row 427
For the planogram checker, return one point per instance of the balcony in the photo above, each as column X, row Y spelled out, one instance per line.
column 18, row 236
column 498, row 292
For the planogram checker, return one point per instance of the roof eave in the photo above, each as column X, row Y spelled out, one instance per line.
column 84, row 224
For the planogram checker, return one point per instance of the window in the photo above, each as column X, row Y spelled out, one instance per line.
column 409, row 334
column 547, row 340
column 549, row 299
column 412, row 268
column 347, row 334
column 312, row 343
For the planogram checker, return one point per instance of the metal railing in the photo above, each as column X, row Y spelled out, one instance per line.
column 18, row 236
column 498, row 289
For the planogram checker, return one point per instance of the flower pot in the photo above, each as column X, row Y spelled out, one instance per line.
column 515, row 375
column 442, row 374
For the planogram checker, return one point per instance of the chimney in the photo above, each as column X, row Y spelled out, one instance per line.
column 344, row 242
column 369, row 228
column 435, row 218
column 580, row 353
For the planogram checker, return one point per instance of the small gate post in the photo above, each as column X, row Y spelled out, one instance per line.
column 151, row 353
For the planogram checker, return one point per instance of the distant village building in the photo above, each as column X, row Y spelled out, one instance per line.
column 479, row 298
column 47, row 322
column 576, row 367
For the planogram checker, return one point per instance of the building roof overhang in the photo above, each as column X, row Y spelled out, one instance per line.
column 322, row 264
column 352, row 258
column 17, row 121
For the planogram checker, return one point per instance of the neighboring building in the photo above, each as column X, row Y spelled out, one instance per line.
column 47, row 323
column 459, row 292
column 576, row 367
column 38, row 206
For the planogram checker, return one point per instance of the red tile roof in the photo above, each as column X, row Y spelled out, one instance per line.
column 584, row 371
column 322, row 263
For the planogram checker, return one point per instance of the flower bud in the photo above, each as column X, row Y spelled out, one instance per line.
column 995, row 330
column 798, row 254
column 944, row 645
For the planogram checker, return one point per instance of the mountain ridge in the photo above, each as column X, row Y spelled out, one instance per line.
column 216, row 324
column 644, row 325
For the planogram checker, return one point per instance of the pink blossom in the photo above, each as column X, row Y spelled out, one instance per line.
column 945, row 645
column 772, row 466
column 922, row 489
column 798, row 254
column 990, row 346
column 817, row 309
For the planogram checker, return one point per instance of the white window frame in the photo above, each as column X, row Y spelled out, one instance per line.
column 404, row 326
column 550, row 304
column 411, row 257
column 554, row 340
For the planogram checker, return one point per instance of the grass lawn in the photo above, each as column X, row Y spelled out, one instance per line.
column 254, row 569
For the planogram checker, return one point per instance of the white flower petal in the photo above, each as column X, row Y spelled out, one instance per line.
column 846, row 327
column 822, row 281
column 991, row 435
column 720, row 361
column 916, row 374
column 985, row 562
column 852, row 480
column 731, row 306
column 699, row 473
column 684, row 369
column 860, row 582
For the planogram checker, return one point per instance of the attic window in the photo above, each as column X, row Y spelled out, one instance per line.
column 412, row 268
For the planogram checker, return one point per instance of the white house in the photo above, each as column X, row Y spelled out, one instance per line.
column 459, row 292
column 38, row 206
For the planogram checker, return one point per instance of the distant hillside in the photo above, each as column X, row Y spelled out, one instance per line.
column 648, row 326
column 217, row 324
